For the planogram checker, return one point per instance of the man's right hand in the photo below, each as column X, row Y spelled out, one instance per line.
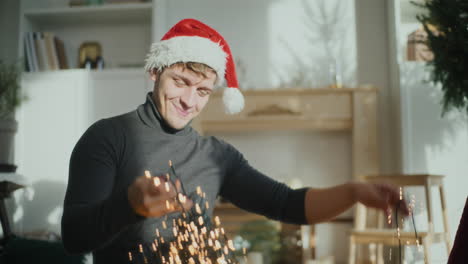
column 155, row 196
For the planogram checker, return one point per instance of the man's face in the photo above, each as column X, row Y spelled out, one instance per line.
column 180, row 94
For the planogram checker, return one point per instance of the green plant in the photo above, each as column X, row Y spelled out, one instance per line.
column 262, row 236
column 10, row 94
column 449, row 42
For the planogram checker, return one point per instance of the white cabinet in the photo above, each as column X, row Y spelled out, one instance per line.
column 116, row 92
column 61, row 106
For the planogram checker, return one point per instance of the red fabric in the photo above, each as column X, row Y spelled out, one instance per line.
column 192, row 27
column 459, row 252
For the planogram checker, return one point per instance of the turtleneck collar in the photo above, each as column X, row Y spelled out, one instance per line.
column 150, row 115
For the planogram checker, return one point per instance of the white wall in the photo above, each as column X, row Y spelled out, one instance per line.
column 274, row 38
column 373, row 67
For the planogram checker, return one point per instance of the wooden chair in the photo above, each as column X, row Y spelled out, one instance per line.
column 379, row 236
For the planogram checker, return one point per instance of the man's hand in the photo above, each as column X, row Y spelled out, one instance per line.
column 156, row 196
column 379, row 195
column 327, row 203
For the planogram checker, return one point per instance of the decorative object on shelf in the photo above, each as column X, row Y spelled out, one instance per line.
column 90, row 56
column 448, row 43
column 417, row 49
column 334, row 74
column 10, row 99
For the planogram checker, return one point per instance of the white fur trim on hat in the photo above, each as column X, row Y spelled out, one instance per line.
column 233, row 100
column 187, row 49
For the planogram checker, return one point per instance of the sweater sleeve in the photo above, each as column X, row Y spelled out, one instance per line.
column 255, row 192
column 93, row 211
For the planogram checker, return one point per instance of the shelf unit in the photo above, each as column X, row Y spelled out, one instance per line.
column 123, row 30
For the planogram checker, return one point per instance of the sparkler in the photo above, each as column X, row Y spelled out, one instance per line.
column 411, row 212
column 195, row 238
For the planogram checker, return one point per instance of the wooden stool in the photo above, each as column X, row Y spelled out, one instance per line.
column 361, row 234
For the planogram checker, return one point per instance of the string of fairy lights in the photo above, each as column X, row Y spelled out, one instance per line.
column 411, row 207
column 196, row 239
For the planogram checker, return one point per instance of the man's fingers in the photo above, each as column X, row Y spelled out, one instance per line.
column 396, row 198
column 169, row 206
column 178, row 186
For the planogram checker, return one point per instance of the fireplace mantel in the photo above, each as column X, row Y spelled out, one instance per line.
column 328, row 109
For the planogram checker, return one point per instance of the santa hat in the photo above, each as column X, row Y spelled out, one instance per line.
column 192, row 41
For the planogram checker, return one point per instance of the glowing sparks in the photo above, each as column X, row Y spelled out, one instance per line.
column 156, row 181
column 182, row 198
column 191, row 237
column 231, row 245
column 147, row 174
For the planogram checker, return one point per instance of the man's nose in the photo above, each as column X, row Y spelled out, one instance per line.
column 189, row 98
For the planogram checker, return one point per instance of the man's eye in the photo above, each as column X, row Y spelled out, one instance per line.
column 204, row 92
column 179, row 82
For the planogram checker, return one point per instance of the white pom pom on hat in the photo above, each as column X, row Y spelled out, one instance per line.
column 193, row 41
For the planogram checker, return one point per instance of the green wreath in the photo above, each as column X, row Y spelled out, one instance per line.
column 449, row 43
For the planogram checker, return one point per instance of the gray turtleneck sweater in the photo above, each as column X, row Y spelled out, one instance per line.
column 113, row 152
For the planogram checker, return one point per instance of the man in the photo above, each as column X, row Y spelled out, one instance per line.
column 112, row 207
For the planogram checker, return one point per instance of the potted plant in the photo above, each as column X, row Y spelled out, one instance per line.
column 10, row 99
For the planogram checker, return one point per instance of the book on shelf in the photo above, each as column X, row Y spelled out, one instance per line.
column 44, row 52
column 62, row 58
column 31, row 52
column 28, row 55
column 52, row 59
column 41, row 51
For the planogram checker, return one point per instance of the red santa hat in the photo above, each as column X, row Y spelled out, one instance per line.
column 192, row 41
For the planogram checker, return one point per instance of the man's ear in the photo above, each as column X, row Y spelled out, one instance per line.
column 154, row 75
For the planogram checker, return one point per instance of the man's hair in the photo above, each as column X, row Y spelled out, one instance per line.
column 196, row 67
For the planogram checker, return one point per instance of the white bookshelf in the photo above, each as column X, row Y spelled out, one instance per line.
column 124, row 31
